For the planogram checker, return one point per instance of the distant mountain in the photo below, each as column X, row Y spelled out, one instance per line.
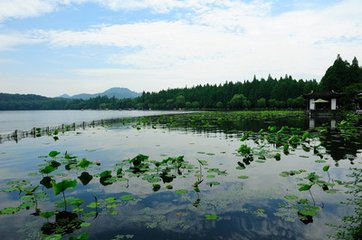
column 65, row 96
column 116, row 92
column 23, row 101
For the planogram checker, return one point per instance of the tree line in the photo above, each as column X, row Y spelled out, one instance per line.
column 284, row 92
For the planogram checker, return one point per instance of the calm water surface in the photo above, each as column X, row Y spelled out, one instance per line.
column 248, row 203
column 26, row 120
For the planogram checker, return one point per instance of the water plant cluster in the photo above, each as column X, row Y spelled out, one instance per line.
column 70, row 214
column 60, row 173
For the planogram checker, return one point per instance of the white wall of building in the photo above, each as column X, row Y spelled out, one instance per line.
column 333, row 104
column 311, row 104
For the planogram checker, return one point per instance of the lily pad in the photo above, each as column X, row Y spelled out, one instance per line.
column 243, row 177
column 211, row 216
column 291, row 197
column 63, row 185
column 181, row 191
column 127, row 198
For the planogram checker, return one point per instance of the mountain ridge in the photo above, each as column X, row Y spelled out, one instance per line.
column 117, row 92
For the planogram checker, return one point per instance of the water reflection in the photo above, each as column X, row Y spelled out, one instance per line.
column 128, row 197
column 313, row 123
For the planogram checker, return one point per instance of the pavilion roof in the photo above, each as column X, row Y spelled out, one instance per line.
column 323, row 95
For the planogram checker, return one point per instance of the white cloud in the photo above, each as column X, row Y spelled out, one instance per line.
column 221, row 40
column 10, row 40
column 163, row 6
column 22, row 9
column 31, row 8
column 243, row 36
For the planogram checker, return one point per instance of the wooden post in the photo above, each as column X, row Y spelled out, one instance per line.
column 16, row 136
column 33, row 132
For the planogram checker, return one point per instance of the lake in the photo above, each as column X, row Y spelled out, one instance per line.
column 219, row 175
column 26, row 120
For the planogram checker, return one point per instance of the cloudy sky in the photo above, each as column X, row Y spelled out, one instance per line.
column 51, row 47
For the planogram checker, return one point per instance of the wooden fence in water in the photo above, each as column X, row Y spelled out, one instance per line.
column 35, row 132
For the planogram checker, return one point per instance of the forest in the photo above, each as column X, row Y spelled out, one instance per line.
column 272, row 93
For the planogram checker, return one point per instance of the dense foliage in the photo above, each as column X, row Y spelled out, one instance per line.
column 259, row 93
column 341, row 75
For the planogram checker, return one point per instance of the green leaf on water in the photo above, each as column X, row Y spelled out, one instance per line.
column 10, row 189
column 77, row 210
column 211, row 216
column 286, row 148
column 53, row 237
column 83, row 236
column 244, row 149
column 181, row 191
column 110, row 200
column 305, row 187
column 90, row 214
column 53, row 154
column 312, row 207
column 303, row 201
column 47, row 214
column 74, row 201
column 243, row 177
column 326, row 168
column 106, row 174
column 114, row 212
column 84, row 163
column 26, row 205
column 320, row 161
column 111, row 206
column 9, row 210
column 306, row 212
column 48, row 169
column 127, row 198
column 85, row 224
column 290, row 197
column 305, row 136
column 27, row 198
column 93, row 205
column 63, row 185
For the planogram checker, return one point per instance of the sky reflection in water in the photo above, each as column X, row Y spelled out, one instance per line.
column 252, row 207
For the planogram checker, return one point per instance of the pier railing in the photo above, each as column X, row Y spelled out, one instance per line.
column 35, row 132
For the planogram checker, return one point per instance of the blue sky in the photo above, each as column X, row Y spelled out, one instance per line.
column 51, row 47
